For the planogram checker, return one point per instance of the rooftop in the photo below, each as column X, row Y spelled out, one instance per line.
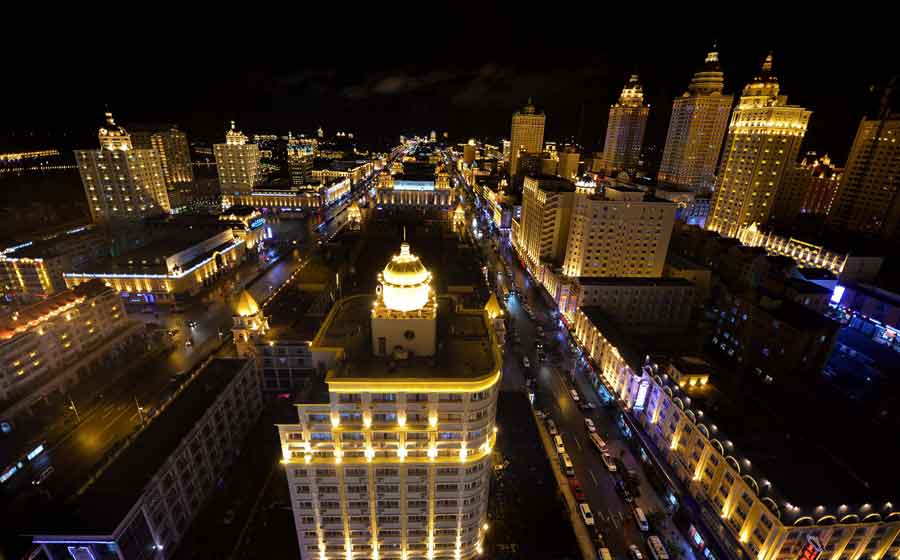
column 630, row 281
column 101, row 507
column 552, row 183
column 151, row 258
column 465, row 345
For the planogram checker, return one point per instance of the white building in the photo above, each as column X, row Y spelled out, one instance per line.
column 396, row 464
column 237, row 162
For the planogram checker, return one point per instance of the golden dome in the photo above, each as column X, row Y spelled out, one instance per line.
column 246, row 305
column 405, row 269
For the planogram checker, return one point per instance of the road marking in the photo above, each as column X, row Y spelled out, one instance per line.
column 578, row 443
column 594, row 478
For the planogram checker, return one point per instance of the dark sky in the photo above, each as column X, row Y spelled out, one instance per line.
column 466, row 81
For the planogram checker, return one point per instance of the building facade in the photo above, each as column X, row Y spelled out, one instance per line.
column 237, row 163
column 619, row 233
column 867, row 199
column 143, row 502
column 526, row 135
column 569, row 160
column 120, row 182
column 641, row 305
column 40, row 339
column 696, row 130
column 547, row 204
column 625, row 129
column 807, row 189
column 763, row 140
column 396, row 464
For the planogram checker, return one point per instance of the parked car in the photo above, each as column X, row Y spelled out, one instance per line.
column 589, row 425
column 577, row 490
column 586, row 514
column 623, row 492
column 525, row 362
column 634, row 552
column 551, row 427
column 574, row 394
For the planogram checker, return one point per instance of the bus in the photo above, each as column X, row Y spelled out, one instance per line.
column 657, row 550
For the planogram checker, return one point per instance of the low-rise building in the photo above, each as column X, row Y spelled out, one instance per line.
column 641, row 304
column 143, row 500
column 418, row 184
column 39, row 340
column 329, row 170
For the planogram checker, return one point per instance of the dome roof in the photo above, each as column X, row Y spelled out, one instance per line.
column 405, row 269
column 246, row 305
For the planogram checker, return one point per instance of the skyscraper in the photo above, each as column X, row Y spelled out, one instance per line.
column 696, row 130
column 237, row 162
column 171, row 144
column 808, row 188
column 625, row 130
column 867, row 198
column 527, row 134
column 546, row 212
column 120, row 182
column 300, row 155
column 396, row 463
column 764, row 137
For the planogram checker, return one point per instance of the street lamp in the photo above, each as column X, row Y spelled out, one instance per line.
column 74, row 409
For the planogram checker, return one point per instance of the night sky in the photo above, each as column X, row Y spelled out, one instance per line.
column 386, row 82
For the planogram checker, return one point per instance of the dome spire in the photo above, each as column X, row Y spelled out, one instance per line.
column 767, row 66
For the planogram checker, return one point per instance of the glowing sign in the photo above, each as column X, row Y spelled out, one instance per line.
column 35, row 452
column 837, row 294
column 8, row 474
column 641, row 399
column 257, row 223
column 812, row 549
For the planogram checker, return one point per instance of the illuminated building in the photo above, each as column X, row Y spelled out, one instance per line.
column 237, row 163
column 300, row 155
column 36, row 268
column 544, row 227
column 569, row 160
column 696, row 130
column 459, row 218
column 396, row 463
column 619, row 232
column 354, row 216
column 761, row 494
column 167, row 269
column 763, row 139
column 143, row 502
column 808, row 188
column 625, row 129
column 120, row 182
column 356, row 170
column 419, row 184
column 643, row 304
column 171, row 144
column 470, row 151
column 311, row 195
column 39, row 340
column 867, row 199
column 527, row 134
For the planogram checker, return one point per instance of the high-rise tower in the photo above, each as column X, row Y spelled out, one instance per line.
column 696, row 130
column 120, row 182
column 763, row 140
column 625, row 130
column 527, row 134
column 237, row 162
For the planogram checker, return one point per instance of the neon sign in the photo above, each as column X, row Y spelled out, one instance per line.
column 257, row 223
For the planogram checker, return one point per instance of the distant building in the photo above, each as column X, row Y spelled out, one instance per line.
column 526, row 135
column 696, row 130
column 808, row 188
column 547, row 204
column 395, row 462
column 120, row 182
column 142, row 503
column 625, row 129
column 39, row 340
column 301, row 153
column 470, row 152
column 569, row 159
column 867, row 199
column 419, row 184
column 355, row 170
column 173, row 148
column 237, row 163
column 764, row 137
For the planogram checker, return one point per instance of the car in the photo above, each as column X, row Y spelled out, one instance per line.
column 589, row 425
column 623, row 492
column 577, row 490
column 192, row 324
column 45, row 474
column 525, row 363
column 634, row 552
column 586, row 514
column 188, row 343
column 608, row 462
column 228, row 519
column 574, row 394
column 540, row 330
column 584, row 405
column 551, row 427
column 560, row 446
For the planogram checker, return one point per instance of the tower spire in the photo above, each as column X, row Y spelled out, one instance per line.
column 767, row 65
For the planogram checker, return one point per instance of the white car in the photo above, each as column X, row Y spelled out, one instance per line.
column 551, row 427
column 525, row 362
column 586, row 514
column 634, row 552
column 589, row 424
column 574, row 394
column 608, row 461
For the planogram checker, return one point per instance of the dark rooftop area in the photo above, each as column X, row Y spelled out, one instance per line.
column 465, row 347
column 631, row 281
column 101, row 507
column 552, row 183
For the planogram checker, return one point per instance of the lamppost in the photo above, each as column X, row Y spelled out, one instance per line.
column 74, row 409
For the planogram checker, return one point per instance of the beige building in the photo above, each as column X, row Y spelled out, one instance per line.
column 569, row 160
column 547, row 204
column 171, row 144
column 625, row 129
column 396, row 463
column 237, row 162
column 39, row 340
column 808, row 188
column 527, row 134
column 867, row 198
column 764, row 137
column 696, row 130
column 619, row 232
column 120, row 182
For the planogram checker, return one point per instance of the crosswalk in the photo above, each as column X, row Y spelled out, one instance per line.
column 613, row 518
